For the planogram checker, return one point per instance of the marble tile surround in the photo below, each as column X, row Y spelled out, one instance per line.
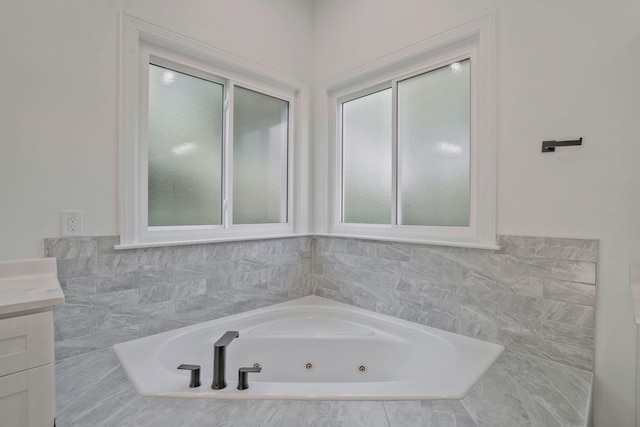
column 114, row 296
column 536, row 296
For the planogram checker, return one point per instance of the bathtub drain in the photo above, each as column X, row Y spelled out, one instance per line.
column 362, row 369
column 309, row 366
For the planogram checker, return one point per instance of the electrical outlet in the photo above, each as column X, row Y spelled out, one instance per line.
column 71, row 222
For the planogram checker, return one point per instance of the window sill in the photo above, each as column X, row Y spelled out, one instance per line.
column 205, row 241
column 470, row 245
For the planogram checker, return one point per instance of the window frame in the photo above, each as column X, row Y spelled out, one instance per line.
column 143, row 44
column 473, row 40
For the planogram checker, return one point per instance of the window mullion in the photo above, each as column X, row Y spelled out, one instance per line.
column 227, row 186
column 395, row 157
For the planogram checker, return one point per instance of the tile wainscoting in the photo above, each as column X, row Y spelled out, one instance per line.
column 536, row 296
column 115, row 296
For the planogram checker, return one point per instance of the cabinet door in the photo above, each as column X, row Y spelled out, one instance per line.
column 25, row 342
column 26, row 398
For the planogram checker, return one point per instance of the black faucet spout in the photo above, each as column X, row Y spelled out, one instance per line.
column 219, row 359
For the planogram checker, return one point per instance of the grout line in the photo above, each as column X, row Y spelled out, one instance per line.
column 384, row 407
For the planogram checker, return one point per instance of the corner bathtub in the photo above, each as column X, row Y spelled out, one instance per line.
column 312, row 348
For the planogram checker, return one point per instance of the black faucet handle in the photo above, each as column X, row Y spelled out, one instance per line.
column 243, row 380
column 195, row 374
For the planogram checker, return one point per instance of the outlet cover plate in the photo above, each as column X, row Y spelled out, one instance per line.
column 71, row 223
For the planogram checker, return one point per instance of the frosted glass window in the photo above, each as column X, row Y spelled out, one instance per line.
column 434, row 147
column 366, row 159
column 185, row 132
column 260, row 139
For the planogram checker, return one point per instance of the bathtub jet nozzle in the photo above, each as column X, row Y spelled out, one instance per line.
column 219, row 359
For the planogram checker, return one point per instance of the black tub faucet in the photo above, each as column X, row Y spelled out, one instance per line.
column 219, row 358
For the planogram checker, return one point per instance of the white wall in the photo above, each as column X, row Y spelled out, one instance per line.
column 58, row 102
column 567, row 69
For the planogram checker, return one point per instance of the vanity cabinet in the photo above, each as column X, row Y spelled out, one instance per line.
column 28, row 292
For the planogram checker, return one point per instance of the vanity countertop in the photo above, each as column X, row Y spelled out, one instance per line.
column 29, row 285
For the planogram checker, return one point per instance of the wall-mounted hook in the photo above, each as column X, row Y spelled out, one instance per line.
column 550, row 146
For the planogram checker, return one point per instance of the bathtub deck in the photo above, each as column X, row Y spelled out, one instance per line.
column 92, row 390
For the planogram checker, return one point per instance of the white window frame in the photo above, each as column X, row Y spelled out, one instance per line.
column 142, row 44
column 474, row 40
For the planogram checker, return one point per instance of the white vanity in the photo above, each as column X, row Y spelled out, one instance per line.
column 28, row 291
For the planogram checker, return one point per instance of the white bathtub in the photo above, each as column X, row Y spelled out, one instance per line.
column 312, row 348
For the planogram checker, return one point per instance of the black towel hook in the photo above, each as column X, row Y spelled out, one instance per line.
column 550, row 146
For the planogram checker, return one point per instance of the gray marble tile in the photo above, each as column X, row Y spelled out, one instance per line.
column 71, row 268
column 523, row 285
column 76, row 375
column 553, row 248
column 442, row 271
column 493, row 400
column 434, row 413
column 297, row 244
column 540, row 308
column 113, row 318
column 395, row 251
column 80, row 286
column 550, row 389
column 249, row 264
column 229, row 251
column 364, row 248
column 98, row 341
column 117, row 264
column 72, row 327
column 156, row 258
column 142, row 277
column 106, row 245
column 253, row 279
column 344, row 271
column 393, row 302
column 483, row 260
column 424, row 286
column 181, row 274
column 479, row 330
column 283, row 413
column 103, row 404
column 567, row 334
column 71, row 248
column 526, row 344
column 128, row 298
column 498, row 320
column 327, row 289
column 374, row 265
column 288, row 259
column 170, row 291
column 219, row 284
column 169, row 412
column 190, row 256
column 576, row 293
column 72, row 309
column 572, row 271
column 330, row 245
column 160, row 310
column 193, row 303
